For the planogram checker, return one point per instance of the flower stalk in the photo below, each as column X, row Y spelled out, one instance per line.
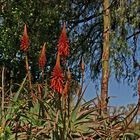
column 24, row 47
column 42, row 60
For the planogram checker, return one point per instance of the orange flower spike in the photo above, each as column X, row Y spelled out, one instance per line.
column 57, row 77
column 25, row 40
column 63, row 43
column 42, row 59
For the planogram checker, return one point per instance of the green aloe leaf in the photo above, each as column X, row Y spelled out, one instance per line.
column 85, row 114
column 19, row 90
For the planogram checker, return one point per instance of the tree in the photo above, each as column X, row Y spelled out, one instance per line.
column 41, row 19
column 124, row 39
column 105, row 56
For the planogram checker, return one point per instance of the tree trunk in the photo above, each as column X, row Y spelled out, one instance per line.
column 105, row 56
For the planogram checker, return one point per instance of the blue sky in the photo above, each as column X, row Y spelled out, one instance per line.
column 123, row 94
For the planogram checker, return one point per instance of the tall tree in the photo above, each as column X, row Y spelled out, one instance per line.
column 105, row 55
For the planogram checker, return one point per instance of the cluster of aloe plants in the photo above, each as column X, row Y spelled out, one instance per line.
column 55, row 109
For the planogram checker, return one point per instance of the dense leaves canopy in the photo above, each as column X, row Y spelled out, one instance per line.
column 84, row 22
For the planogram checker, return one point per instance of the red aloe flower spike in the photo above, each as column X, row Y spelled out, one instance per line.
column 42, row 59
column 57, row 77
column 63, row 43
column 25, row 41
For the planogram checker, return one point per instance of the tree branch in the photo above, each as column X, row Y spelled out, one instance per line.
column 136, row 33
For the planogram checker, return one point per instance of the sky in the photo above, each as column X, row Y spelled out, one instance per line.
column 121, row 92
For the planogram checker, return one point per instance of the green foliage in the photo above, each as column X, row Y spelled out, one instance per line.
column 85, row 26
column 124, row 39
column 41, row 18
